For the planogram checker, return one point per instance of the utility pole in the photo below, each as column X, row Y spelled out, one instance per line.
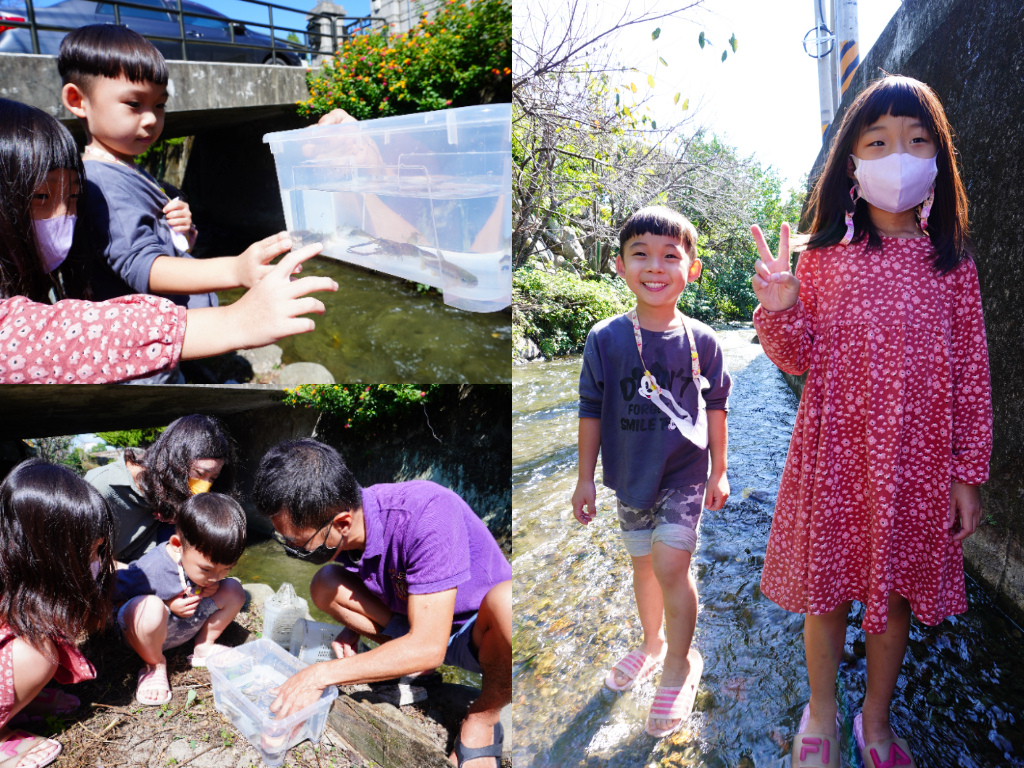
column 848, row 51
column 824, row 44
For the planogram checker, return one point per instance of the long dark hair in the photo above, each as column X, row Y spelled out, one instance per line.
column 31, row 145
column 166, row 464
column 50, row 520
column 830, row 199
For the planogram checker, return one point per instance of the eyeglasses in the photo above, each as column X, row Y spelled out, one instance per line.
column 302, row 553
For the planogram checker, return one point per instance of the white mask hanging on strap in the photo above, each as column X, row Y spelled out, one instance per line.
column 695, row 431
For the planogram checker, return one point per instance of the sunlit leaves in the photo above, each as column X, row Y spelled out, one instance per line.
column 724, row 55
column 701, row 40
column 650, row 80
column 675, row 99
column 656, row 34
column 663, row 62
column 632, row 87
column 733, row 42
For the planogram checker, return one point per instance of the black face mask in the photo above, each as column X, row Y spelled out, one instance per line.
column 319, row 556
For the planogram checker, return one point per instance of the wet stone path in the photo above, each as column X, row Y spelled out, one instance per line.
column 960, row 699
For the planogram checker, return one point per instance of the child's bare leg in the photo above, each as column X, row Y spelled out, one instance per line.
column 824, row 637
column 679, row 592
column 650, row 606
column 32, row 671
column 145, row 621
column 229, row 597
column 885, row 657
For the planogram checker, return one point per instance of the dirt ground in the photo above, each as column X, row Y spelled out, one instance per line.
column 111, row 730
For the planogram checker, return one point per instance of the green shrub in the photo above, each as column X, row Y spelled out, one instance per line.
column 557, row 311
column 131, row 438
column 462, row 55
column 362, row 407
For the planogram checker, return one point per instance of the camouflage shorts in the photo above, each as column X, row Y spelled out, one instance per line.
column 673, row 520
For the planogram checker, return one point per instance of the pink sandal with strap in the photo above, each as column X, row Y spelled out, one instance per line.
column 894, row 752
column 20, row 749
column 637, row 665
column 814, row 750
column 676, row 703
column 153, row 679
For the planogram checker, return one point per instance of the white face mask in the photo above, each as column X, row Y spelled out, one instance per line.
column 54, row 239
column 896, row 182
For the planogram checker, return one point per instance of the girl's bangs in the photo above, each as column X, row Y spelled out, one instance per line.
column 898, row 98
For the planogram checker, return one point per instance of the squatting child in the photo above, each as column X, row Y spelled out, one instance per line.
column 653, row 400
column 179, row 590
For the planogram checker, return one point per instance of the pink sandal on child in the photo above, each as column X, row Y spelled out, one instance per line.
column 893, row 752
column 20, row 749
column 637, row 665
column 50, row 701
column 153, row 680
column 676, row 703
column 814, row 750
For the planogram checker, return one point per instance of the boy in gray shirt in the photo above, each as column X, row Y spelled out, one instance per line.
column 179, row 590
column 653, row 399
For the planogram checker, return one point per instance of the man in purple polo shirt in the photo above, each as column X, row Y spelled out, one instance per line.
column 411, row 567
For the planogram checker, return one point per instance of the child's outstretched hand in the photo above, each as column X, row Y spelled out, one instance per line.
column 964, row 510
column 253, row 264
column 584, row 501
column 777, row 288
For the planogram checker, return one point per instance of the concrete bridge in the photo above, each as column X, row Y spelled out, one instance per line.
column 229, row 177
column 204, row 95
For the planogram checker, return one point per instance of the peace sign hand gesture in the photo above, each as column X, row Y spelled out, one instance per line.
column 776, row 287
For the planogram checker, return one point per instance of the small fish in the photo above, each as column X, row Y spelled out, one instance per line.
column 428, row 260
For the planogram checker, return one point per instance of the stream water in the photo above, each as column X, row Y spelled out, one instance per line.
column 382, row 330
column 959, row 699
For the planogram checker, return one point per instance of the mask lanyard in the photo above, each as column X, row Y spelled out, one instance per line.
column 697, row 431
column 184, row 582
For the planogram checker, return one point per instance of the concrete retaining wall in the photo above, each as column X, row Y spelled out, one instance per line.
column 970, row 52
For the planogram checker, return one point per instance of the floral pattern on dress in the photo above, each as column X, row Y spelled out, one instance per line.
column 84, row 342
column 897, row 404
column 72, row 667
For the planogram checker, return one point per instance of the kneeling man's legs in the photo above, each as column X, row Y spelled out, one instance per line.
column 492, row 637
column 345, row 598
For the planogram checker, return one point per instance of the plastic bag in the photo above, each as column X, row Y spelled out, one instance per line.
column 280, row 612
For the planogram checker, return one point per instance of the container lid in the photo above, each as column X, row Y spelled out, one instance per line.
column 468, row 117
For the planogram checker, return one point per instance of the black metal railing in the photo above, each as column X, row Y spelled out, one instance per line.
column 339, row 27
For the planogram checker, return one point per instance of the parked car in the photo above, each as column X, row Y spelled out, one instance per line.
column 206, row 39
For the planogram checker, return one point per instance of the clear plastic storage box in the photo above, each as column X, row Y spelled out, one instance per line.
column 245, row 680
column 426, row 197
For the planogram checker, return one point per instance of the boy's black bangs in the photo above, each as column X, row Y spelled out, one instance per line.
column 215, row 525
column 657, row 222
column 899, row 99
column 107, row 50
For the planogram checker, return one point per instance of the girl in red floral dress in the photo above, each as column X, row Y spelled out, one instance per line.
column 83, row 342
column 56, row 576
column 894, row 430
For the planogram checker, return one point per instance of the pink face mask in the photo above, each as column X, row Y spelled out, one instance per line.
column 54, row 239
column 896, row 182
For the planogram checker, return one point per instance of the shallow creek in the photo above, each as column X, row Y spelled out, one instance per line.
column 959, row 701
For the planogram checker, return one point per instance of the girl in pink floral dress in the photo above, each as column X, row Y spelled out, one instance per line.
column 56, row 576
column 83, row 342
column 894, row 430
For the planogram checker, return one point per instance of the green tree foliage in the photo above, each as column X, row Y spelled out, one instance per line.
column 364, row 408
column 459, row 56
column 558, row 311
column 131, row 438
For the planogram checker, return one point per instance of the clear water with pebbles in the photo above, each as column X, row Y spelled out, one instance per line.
column 960, row 699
